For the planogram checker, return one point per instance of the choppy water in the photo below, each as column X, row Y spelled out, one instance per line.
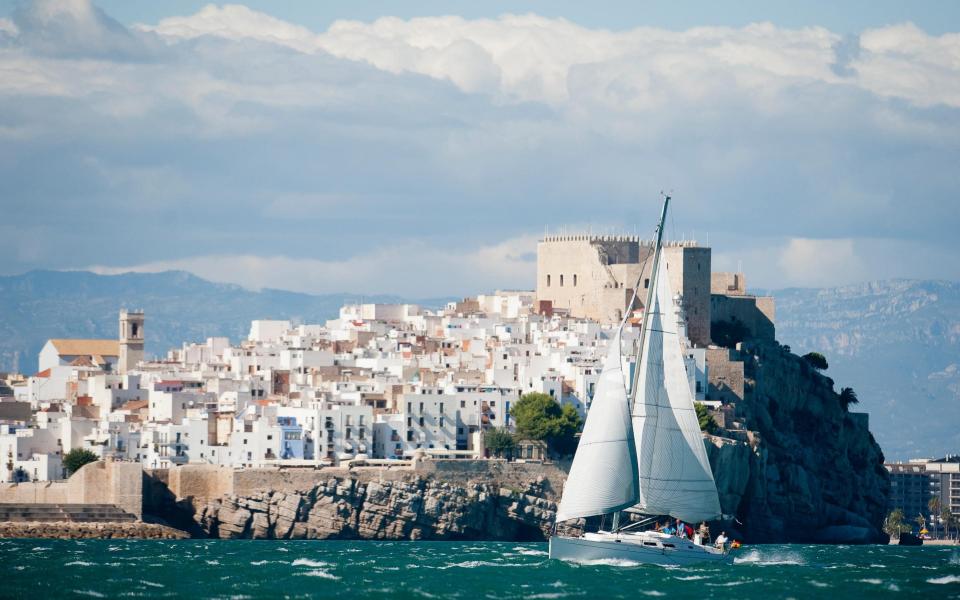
column 500, row 571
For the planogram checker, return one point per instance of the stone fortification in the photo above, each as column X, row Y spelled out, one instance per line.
column 593, row 277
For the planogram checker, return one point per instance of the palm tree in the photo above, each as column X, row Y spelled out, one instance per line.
column 934, row 506
column 848, row 397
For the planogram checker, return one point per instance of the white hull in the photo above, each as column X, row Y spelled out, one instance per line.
column 639, row 547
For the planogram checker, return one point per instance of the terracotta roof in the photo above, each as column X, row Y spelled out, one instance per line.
column 43, row 373
column 87, row 347
column 134, row 405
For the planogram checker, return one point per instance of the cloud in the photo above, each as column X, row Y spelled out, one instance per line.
column 425, row 271
column 236, row 144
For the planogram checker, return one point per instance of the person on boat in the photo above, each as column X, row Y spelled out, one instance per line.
column 667, row 529
column 721, row 540
column 681, row 530
column 704, row 532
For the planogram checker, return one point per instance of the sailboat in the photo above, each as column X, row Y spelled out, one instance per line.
column 641, row 449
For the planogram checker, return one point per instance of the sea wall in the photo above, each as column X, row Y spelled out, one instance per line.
column 101, row 482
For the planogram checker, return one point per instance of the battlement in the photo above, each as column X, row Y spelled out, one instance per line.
column 629, row 239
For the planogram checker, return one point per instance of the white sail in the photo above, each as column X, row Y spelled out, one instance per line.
column 674, row 472
column 603, row 476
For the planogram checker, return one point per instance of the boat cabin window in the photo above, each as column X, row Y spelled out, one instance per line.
column 669, row 546
column 649, row 543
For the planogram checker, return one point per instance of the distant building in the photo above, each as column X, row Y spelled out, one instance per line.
column 914, row 483
column 62, row 352
column 730, row 303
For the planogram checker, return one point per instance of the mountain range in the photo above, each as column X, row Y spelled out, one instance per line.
column 896, row 342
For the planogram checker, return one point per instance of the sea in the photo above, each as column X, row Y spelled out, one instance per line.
column 462, row 570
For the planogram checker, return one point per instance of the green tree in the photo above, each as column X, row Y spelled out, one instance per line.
column 76, row 458
column 539, row 417
column 894, row 525
column 705, row 418
column 934, row 506
column 816, row 360
column 500, row 442
column 848, row 397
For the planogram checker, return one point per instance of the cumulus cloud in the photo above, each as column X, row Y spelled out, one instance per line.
column 236, row 144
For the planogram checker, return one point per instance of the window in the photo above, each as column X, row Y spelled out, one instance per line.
column 270, row 437
column 463, row 404
column 548, row 281
column 646, row 283
column 574, row 280
column 561, row 280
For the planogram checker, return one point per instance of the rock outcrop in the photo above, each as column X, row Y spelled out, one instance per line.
column 797, row 466
column 76, row 531
column 346, row 508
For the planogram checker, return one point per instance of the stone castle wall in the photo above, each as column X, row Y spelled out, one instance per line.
column 594, row 277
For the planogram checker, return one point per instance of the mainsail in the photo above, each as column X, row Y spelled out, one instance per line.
column 603, row 476
column 674, row 472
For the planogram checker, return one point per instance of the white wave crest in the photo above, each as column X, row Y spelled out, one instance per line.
column 320, row 573
column 79, row 563
column 151, row 584
column 90, row 593
column 471, row 564
column 257, row 563
column 755, row 557
column 306, row 562
column 690, row 577
column 610, row 562
column 871, row 581
column 945, row 579
column 819, row 584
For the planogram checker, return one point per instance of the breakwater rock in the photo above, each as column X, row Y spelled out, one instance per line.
column 76, row 531
column 347, row 508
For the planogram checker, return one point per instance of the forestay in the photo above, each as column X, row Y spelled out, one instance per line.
column 603, row 477
column 674, row 472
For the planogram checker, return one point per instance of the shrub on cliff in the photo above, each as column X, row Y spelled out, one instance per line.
column 539, row 417
column 76, row 458
column 499, row 442
column 704, row 418
column 728, row 333
column 816, row 360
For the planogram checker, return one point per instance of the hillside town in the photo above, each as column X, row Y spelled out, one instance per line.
column 381, row 383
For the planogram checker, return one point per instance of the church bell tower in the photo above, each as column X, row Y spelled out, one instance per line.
column 131, row 340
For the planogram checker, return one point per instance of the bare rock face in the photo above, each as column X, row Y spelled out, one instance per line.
column 392, row 510
column 802, row 468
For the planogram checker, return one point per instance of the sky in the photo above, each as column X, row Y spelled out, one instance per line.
column 422, row 149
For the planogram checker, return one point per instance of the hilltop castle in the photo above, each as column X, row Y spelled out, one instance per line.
column 592, row 277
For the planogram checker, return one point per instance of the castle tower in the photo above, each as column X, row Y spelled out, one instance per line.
column 131, row 339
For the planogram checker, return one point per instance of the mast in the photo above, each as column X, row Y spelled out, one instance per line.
column 649, row 303
column 644, row 322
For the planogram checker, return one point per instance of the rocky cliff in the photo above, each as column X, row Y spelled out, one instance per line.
column 347, row 508
column 794, row 465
